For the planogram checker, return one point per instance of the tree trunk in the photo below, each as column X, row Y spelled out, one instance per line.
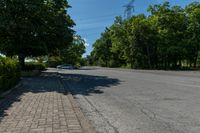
column 149, row 58
column 195, row 61
column 180, row 63
column 190, row 63
column 22, row 61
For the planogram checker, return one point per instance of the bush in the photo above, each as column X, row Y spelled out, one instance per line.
column 34, row 66
column 9, row 73
column 53, row 61
column 77, row 65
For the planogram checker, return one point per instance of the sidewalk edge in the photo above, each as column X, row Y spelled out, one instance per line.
column 85, row 124
column 4, row 94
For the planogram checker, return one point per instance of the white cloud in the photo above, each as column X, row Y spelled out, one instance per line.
column 86, row 43
column 85, row 39
column 75, row 37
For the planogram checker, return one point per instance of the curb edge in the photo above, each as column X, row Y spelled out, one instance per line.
column 4, row 94
column 85, row 123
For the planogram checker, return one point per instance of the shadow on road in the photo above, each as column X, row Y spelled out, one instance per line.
column 87, row 84
column 52, row 82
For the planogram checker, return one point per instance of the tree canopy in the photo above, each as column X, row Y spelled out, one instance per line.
column 73, row 53
column 34, row 28
column 166, row 39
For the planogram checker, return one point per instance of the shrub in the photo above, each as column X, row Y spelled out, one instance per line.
column 9, row 73
column 77, row 65
column 53, row 61
column 34, row 66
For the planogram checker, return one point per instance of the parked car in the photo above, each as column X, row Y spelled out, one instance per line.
column 65, row 66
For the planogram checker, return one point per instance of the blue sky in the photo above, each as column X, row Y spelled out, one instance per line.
column 92, row 16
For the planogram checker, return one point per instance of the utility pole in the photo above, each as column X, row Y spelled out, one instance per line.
column 129, row 8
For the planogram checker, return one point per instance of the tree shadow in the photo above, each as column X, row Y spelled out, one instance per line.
column 87, row 84
column 53, row 82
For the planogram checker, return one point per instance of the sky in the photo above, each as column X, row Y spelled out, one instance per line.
column 93, row 16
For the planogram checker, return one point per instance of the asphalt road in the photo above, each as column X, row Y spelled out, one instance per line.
column 128, row 101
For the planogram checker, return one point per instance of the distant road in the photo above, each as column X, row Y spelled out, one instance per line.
column 137, row 101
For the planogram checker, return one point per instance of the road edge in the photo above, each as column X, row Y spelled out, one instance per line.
column 85, row 123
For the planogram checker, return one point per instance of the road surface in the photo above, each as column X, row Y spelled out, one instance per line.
column 130, row 101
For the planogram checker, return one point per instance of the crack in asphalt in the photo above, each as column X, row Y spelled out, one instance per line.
column 105, row 119
column 156, row 117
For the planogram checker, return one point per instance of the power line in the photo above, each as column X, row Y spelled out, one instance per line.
column 96, row 17
column 89, row 29
column 129, row 9
column 97, row 20
column 91, row 20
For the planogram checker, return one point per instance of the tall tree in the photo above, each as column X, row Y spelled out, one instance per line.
column 33, row 28
column 165, row 39
column 193, row 32
column 102, row 49
column 73, row 53
column 119, row 41
column 172, row 25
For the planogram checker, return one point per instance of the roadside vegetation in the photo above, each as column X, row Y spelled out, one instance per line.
column 69, row 55
column 32, row 69
column 9, row 73
column 35, row 28
column 39, row 31
column 169, row 38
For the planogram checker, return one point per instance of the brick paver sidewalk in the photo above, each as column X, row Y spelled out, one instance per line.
column 41, row 105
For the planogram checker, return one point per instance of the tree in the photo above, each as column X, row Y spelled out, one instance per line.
column 193, row 32
column 119, row 41
column 102, row 49
column 172, row 25
column 166, row 39
column 73, row 53
column 34, row 28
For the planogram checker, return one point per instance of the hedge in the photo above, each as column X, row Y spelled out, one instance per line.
column 9, row 73
column 34, row 66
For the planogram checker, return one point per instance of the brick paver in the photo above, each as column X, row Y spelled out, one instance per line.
column 41, row 105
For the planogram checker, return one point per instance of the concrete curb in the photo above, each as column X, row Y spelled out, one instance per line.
column 85, row 124
column 4, row 94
